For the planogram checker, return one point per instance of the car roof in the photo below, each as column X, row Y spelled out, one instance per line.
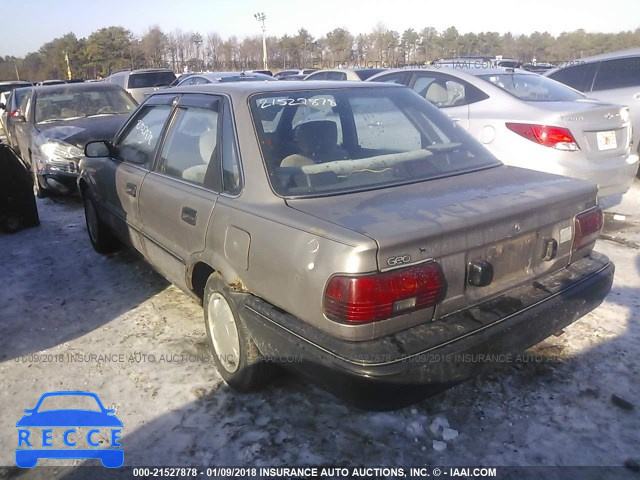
column 149, row 70
column 631, row 52
column 454, row 70
column 245, row 89
column 216, row 75
column 75, row 87
column 14, row 82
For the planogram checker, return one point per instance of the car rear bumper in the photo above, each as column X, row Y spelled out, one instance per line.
column 613, row 176
column 403, row 367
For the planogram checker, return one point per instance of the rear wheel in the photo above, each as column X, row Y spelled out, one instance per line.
column 102, row 239
column 236, row 356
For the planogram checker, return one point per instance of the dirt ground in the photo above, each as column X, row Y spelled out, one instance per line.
column 71, row 319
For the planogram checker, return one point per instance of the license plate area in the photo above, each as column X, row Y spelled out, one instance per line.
column 514, row 261
column 606, row 140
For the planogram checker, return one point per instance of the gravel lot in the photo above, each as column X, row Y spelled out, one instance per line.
column 71, row 319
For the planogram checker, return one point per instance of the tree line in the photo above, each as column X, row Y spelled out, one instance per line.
column 115, row 48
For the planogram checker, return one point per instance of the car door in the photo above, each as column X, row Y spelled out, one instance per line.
column 179, row 194
column 119, row 181
column 446, row 92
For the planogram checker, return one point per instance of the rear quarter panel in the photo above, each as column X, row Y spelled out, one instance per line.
column 286, row 257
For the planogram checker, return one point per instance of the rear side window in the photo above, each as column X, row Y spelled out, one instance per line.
column 190, row 144
column 579, row 77
column 619, row 73
column 532, row 87
column 398, row 77
column 443, row 91
column 139, row 142
column 231, row 178
column 317, row 76
column 336, row 76
column 150, row 79
column 118, row 79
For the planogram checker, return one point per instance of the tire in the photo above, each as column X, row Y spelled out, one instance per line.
column 38, row 189
column 11, row 223
column 102, row 239
column 236, row 356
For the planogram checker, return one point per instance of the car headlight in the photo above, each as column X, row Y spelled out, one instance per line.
column 58, row 151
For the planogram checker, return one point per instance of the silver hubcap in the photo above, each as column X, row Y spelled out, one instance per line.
column 224, row 332
column 92, row 220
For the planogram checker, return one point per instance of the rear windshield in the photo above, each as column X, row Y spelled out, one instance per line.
column 532, row 87
column 323, row 142
column 150, row 79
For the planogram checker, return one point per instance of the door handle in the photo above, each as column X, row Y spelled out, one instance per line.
column 132, row 189
column 455, row 119
column 636, row 96
column 189, row 215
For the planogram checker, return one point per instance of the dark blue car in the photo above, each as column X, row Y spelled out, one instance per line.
column 101, row 417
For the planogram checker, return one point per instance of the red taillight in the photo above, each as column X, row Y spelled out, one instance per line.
column 367, row 298
column 556, row 137
column 14, row 113
column 588, row 226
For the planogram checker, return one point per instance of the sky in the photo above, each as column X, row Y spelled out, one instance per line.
column 31, row 23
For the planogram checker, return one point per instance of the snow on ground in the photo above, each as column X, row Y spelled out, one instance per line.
column 61, row 303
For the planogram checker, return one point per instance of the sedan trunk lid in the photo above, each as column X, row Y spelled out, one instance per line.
column 506, row 216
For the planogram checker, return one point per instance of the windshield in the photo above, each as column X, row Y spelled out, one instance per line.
column 68, row 104
column 341, row 140
column 532, row 87
column 151, row 79
column 64, row 402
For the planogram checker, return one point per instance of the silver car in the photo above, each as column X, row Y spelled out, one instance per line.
column 140, row 83
column 530, row 121
column 221, row 77
column 611, row 77
column 319, row 239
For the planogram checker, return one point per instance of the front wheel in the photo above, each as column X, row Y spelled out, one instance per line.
column 236, row 356
column 102, row 239
column 38, row 189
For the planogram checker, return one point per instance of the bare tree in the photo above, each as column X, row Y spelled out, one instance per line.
column 153, row 45
column 213, row 44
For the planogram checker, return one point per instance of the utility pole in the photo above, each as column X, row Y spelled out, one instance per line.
column 261, row 17
column 66, row 58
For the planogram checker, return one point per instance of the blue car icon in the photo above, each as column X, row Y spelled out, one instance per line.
column 37, row 417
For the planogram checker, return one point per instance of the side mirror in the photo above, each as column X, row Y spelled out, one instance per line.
column 97, row 149
column 3, row 106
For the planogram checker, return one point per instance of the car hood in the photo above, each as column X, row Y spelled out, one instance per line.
column 82, row 130
column 69, row 418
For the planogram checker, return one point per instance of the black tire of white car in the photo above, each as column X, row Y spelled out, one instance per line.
column 38, row 189
column 102, row 239
column 251, row 372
